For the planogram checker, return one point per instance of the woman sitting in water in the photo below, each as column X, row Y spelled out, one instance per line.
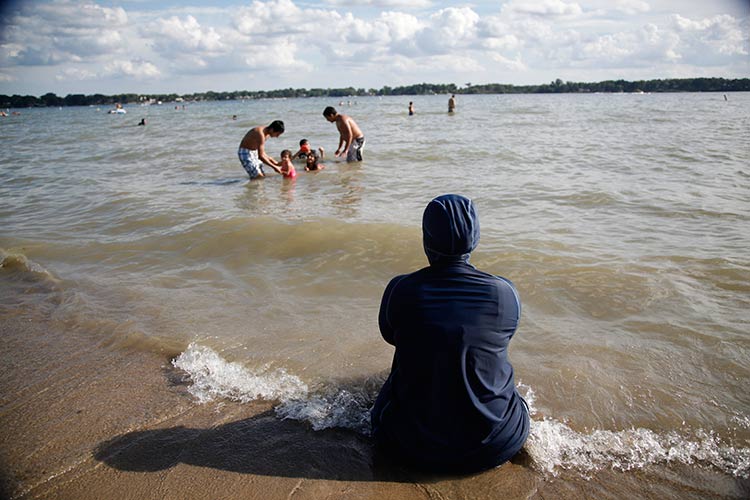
column 450, row 403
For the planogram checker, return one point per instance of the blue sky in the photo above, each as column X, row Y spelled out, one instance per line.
column 151, row 46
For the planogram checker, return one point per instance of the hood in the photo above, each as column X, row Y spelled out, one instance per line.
column 450, row 229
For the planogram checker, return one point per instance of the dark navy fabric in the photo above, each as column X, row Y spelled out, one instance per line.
column 450, row 402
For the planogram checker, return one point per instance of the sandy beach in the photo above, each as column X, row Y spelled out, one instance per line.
column 152, row 441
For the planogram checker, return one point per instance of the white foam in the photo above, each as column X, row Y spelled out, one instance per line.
column 552, row 445
column 213, row 377
column 340, row 408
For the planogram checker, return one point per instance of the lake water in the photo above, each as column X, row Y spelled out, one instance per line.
column 622, row 219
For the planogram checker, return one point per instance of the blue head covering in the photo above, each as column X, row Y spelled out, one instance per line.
column 450, row 229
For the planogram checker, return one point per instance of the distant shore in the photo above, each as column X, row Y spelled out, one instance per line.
column 555, row 87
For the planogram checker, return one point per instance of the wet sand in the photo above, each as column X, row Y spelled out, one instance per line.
column 94, row 423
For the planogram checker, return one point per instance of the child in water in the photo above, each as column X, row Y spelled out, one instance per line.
column 313, row 159
column 304, row 150
column 287, row 169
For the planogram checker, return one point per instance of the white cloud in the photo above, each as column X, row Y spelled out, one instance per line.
column 648, row 45
column 138, row 69
column 63, row 31
column 382, row 4
column 77, row 74
column 631, row 7
column 543, row 8
column 178, row 35
column 274, row 16
column 280, row 55
column 449, row 29
column 721, row 34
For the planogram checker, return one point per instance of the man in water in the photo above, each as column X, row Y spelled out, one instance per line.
column 452, row 104
column 351, row 139
column 450, row 403
column 252, row 152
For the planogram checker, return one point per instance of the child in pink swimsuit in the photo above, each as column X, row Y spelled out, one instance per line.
column 287, row 169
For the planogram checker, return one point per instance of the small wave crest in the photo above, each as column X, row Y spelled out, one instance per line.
column 213, row 377
column 21, row 267
column 552, row 445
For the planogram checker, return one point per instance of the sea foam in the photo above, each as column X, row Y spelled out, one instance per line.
column 552, row 445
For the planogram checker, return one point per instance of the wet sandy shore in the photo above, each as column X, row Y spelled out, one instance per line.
column 92, row 422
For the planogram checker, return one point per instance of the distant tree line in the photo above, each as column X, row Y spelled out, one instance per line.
column 557, row 86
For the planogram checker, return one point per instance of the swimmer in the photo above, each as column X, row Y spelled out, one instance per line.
column 312, row 162
column 304, row 149
column 287, row 169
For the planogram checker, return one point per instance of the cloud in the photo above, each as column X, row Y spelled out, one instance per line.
column 542, row 8
column 76, row 74
column 275, row 16
column 449, row 29
column 648, row 45
column 722, row 35
column 61, row 32
column 178, row 35
column 382, row 4
column 136, row 68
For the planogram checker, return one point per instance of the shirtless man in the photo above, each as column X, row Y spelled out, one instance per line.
column 452, row 104
column 252, row 153
column 351, row 139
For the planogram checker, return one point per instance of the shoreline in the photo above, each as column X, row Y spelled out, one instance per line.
column 96, row 423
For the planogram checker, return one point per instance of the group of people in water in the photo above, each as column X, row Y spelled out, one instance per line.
column 253, row 156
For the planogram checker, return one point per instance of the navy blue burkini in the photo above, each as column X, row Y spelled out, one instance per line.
column 450, row 403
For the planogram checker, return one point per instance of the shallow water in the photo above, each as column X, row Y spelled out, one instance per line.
column 622, row 219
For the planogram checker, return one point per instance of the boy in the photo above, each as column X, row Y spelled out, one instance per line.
column 252, row 152
column 351, row 138
column 304, row 149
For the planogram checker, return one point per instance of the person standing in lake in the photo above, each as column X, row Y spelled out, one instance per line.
column 351, row 138
column 450, row 403
column 252, row 152
column 452, row 104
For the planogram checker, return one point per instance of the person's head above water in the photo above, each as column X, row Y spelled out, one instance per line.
column 330, row 113
column 276, row 128
column 450, row 229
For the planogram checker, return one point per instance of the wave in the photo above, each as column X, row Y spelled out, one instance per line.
column 552, row 445
column 18, row 267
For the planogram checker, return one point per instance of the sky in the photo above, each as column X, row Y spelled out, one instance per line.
column 187, row 46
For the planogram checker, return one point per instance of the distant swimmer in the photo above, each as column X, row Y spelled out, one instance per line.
column 287, row 168
column 725, row 97
column 411, row 108
column 452, row 104
column 252, row 152
column 142, row 122
column 351, row 138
